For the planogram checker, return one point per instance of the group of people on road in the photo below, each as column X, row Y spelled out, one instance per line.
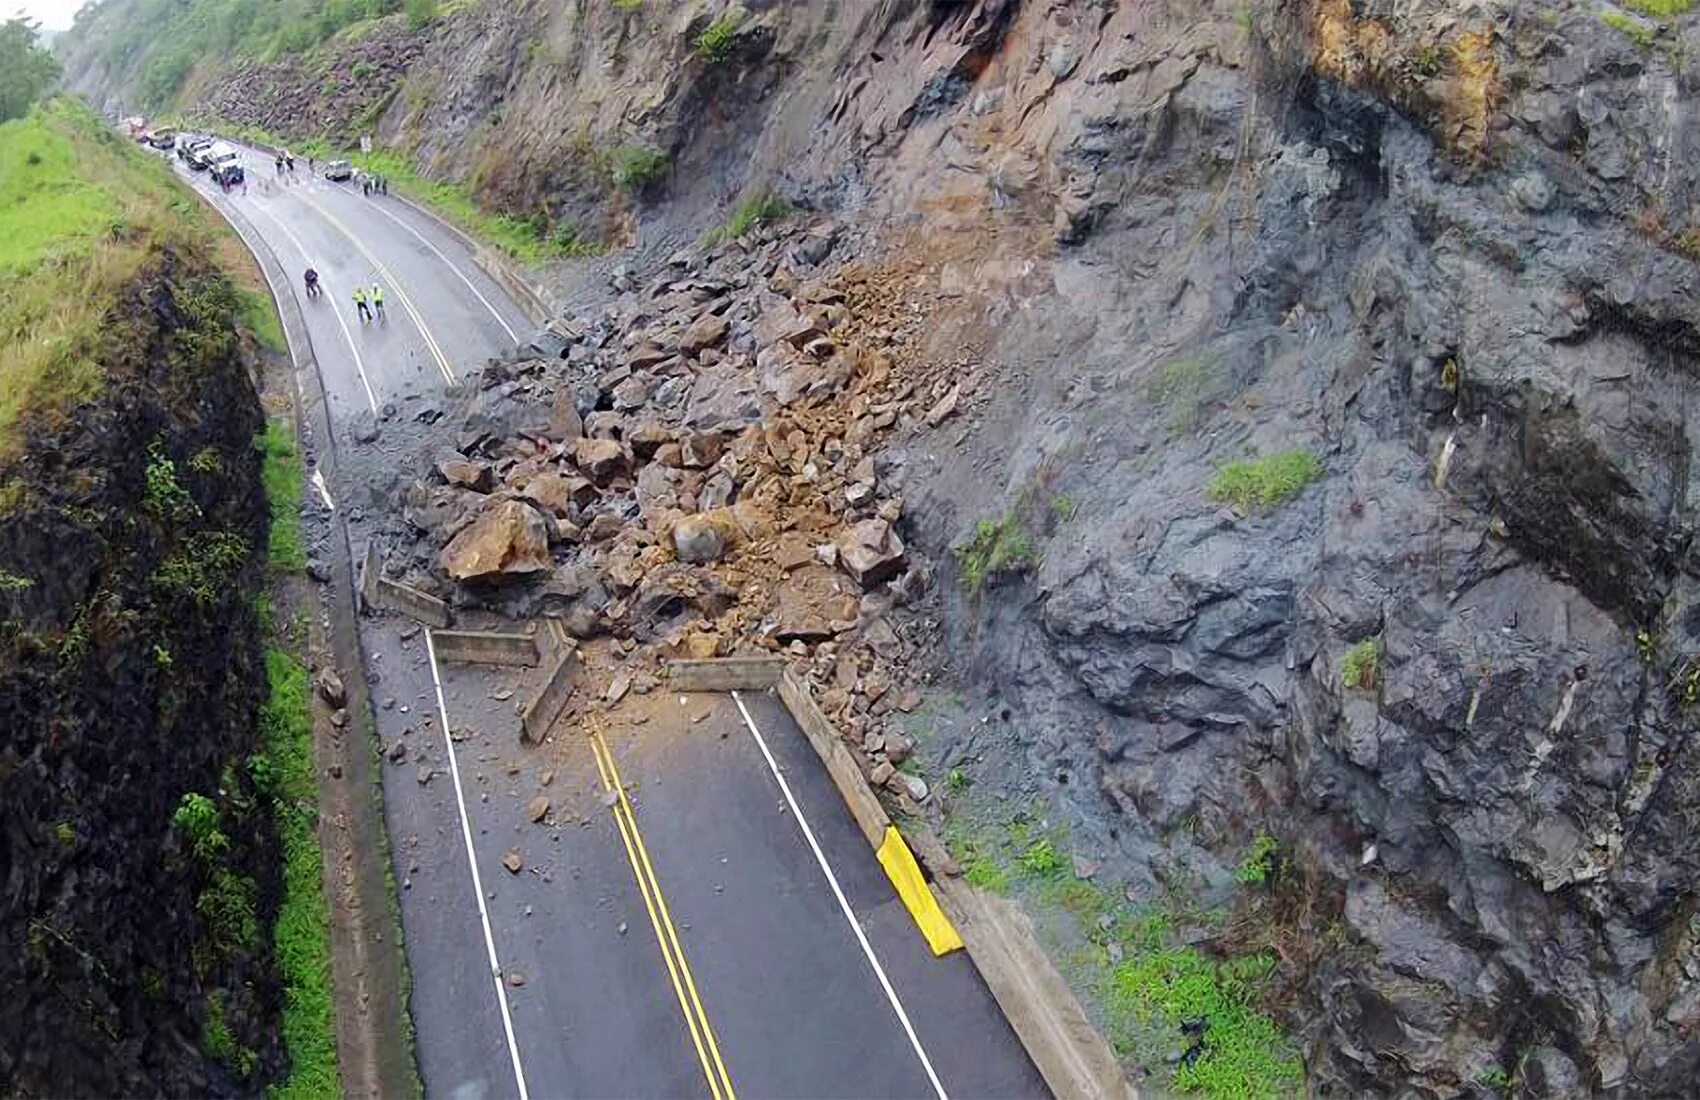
column 285, row 161
column 372, row 184
column 368, row 301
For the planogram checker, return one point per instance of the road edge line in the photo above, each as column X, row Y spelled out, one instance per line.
column 394, row 1041
column 477, row 879
column 843, row 902
column 347, row 335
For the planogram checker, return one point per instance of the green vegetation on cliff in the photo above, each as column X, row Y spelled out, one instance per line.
column 178, row 887
column 161, row 41
column 80, row 213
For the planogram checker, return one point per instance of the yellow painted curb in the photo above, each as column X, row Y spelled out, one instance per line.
column 905, row 874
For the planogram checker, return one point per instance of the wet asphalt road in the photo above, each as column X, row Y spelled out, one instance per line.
column 586, row 998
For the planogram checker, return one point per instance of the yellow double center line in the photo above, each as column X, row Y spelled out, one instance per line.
column 684, row 987
column 395, row 285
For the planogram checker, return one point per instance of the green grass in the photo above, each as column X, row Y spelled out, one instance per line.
column 998, row 545
column 80, row 212
column 1662, row 9
column 762, row 208
column 638, row 166
column 1266, row 482
column 259, row 316
column 1638, row 32
column 1184, row 387
column 1160, row 981
column 1244, row 1054
column 1361, row 668
column 1258, row 863
column 301, row 940
column 717, row 41
column 281, row 470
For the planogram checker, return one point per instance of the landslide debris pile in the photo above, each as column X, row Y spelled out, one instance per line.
column 693, row 472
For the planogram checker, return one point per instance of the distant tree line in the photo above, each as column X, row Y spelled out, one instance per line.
column 26, row 70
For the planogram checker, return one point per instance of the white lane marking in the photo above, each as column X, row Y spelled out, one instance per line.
column 371, row 398
column 395, row 285
column 318, row 480
column 843, row 903
column 450, row 264
column 477, row 880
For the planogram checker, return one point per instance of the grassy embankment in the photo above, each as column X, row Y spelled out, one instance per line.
column 81, row 215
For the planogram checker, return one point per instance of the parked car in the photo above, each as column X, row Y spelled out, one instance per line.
column 186, row 142
column 163, row 139
column 198, row 154
column 339, row 170
column 226, row 164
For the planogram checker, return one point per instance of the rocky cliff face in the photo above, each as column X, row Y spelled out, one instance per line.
column 1435, row 258
column 130, row 676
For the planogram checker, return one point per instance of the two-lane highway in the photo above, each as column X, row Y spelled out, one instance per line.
column 693, row 911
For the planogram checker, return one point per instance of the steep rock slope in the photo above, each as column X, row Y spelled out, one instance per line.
column 131, row 556
column 1436, row 259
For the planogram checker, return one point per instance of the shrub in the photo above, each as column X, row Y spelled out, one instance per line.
column 196, row 817
column 420, row 12
column 1265, row 482
column 716, row 43
column 1663, row 9
column 762, row 208
column 165, row 496
column 1638, row 32
column 1362, row 667
column 1258, row 862
column 638, row 166
column 998, row 545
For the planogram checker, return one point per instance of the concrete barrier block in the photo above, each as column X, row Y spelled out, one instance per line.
column 483, row 647
column 726, row 674
column 395, row 596
column 371, row 567
column 551, row 700
column 847, row 776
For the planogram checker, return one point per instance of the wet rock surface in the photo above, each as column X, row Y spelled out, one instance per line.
column 131, row 675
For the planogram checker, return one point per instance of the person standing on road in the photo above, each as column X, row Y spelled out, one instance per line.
column 360, row 305
column 365, row 185
column 378, row 300
column 312, row 281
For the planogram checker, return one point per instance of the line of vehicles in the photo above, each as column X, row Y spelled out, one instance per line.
column 204, row 153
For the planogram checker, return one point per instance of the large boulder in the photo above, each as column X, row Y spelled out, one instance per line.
column 871, row 552
column 705, row 331
column 559, row 493
column 698, row 539
column 601, row 459
column 508, row 540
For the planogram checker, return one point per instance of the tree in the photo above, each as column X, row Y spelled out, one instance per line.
column 26, row 70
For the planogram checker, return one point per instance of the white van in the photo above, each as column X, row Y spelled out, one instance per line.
column 226, row 164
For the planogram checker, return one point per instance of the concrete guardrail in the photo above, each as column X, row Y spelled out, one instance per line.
column 551, row 699
column 482, row 647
